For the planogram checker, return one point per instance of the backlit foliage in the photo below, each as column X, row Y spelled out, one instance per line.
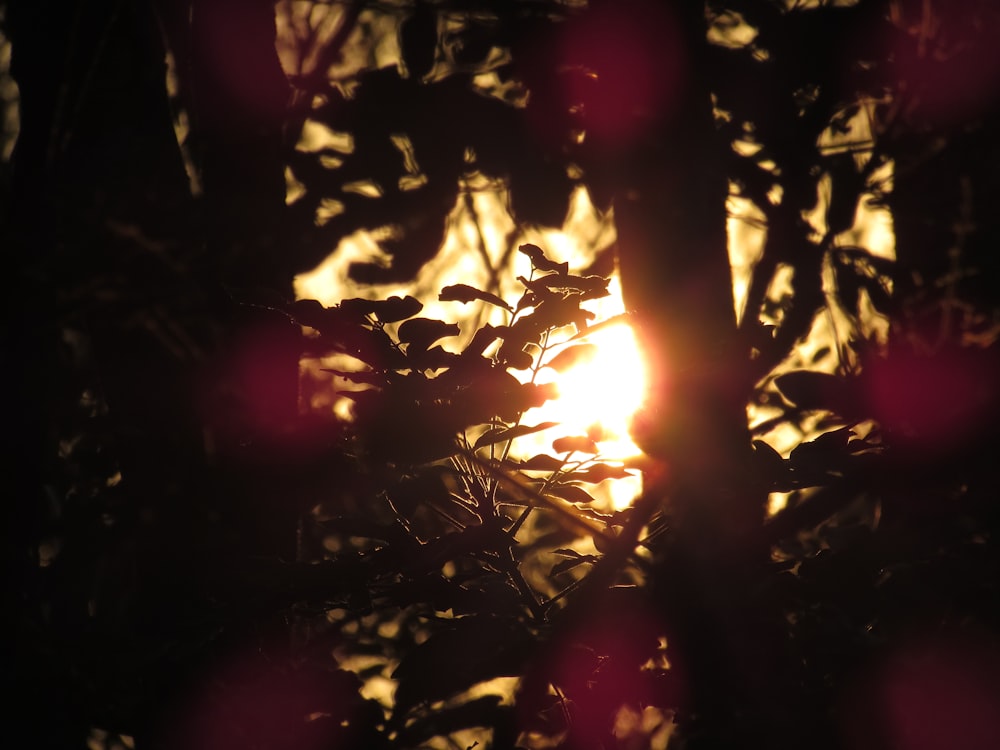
column 495, row 541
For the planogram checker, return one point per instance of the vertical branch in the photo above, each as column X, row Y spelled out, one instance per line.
column 670, row 213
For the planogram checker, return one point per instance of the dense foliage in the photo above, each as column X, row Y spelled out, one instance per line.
column 198, row 562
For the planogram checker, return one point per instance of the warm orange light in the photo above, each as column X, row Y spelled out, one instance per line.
column 598, row 396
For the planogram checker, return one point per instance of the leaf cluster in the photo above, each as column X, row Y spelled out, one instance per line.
column 464, row 538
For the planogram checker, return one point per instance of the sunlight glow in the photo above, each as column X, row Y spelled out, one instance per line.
column 599, row 396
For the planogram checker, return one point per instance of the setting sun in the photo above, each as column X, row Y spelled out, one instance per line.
column 599, row 395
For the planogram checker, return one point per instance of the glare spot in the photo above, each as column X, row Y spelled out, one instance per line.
column 606, row 390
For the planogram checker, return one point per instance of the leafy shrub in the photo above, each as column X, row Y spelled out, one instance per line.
column 464, row 553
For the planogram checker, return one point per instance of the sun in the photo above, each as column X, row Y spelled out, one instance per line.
column 599, row 395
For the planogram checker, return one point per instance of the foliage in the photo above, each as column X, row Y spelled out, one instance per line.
column 463, row 541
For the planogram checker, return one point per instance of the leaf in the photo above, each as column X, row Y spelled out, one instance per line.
column 527, row 330
column 485, row 711
column 514, row 357
column 814, row 391
column 560, row 311
column 420, row 333
column 523, row 397
column 483, row 338
column 528, row 299
column 827, row 455
column 542, row 462
column 539, row 261
column 357, row 376
column 434, row 358
column 572, row 356
column 502, row 434
column 621, row 319
column 465, row 293
column 833, row 443
column 563, row 280
column 565, row 565
column 474, row 649
column 595, row 293
column 388, row 310
column 309, row 312
column 768, row 458
column 572, row 493
column 535, row 286
column 599, row 472
column 575, row 443
column 373, row 347
column 806, row 389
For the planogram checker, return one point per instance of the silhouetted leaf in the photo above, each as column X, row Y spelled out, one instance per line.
column 540, row 262
column 485, row 711
column 472, row 650
column 420, row 333
column 599, row 472
column 769, row 463
column 815, row 461
column 829, row 443
column 572, row 356
column 561, row 311
column 565, row 565
column 482, row 339
column 515, row 357
column 807, row 389
column 767, row 454
column 525, row 396
column 568, row 281
column 388, row 310
column 527, row 300
column 572, row 493
column 501, row 434
column 465, row 293
column 542, row 462
column 309, row 312
column 434, row 358
column 357, row 376
column 621, row 319
column 574, row 443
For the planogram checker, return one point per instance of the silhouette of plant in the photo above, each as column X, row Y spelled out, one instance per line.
column 461, row 537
